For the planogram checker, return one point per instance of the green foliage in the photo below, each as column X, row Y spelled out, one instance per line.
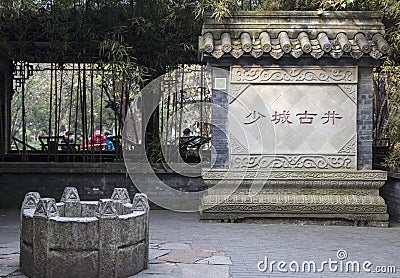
column 148, row 35
column 352, row 5
column 37, row 107
column 224, row 8
column 220, row 8
column 387, row 110
column 68, row 114
column 393, row 160
column 137, row 40
column 391, row 21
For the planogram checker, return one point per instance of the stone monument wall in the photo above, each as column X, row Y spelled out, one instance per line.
column 293, row 117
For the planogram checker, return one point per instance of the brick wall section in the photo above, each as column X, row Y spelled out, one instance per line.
column 92, row 184
column 365, row 118
column 219, row 130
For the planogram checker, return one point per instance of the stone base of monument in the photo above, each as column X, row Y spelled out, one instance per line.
column 73, row 238
column 296, row 196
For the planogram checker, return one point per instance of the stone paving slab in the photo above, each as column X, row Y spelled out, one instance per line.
column 216, row 260
column 174, row 245
column 202, row 271
column 143, row 274
column 170, row 269
column 185, row 256
column 155, row 253
column 18, row 274
column 7, row 270
column 204, row 247
column 9, row 248
column 195, row 247
column 10, row 260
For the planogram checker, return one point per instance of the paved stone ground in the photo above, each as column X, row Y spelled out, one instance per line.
column 180, row 246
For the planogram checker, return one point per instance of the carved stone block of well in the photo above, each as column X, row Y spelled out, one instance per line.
column 74, row 238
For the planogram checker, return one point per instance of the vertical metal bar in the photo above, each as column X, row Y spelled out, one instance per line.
column 50, row 110
column 23, row 121
column 168, row 107
column 56, row 113
column 127, row 101
column 133, row 122
column 51, row 98
column 122, row 102
column 77, row 108
column 101, row 98
column 201, row 98
column 60, row 103
column 92, row 111
column 115, row 104
column 56, row 102
column 84, row 107
column 181, row 96
column 162, row 112
column 175, row 105
column 82, row 102
column 70, row 98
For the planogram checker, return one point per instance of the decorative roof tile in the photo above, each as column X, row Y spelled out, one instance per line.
column 335, row 34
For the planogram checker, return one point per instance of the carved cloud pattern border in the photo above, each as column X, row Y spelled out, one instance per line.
column 329, row 75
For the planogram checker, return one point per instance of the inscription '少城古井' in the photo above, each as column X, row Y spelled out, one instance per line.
column 305, row 118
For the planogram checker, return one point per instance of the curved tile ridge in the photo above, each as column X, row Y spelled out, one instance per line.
column 286, row 43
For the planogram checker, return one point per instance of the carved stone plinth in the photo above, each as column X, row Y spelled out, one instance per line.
column 335, row 197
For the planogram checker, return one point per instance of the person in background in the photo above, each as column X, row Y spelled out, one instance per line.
column 68, row 139
column 110, row 144
column 84, row 145
column 97, row 142
column 184, row 143
column 189, row 146
column 186, row 136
